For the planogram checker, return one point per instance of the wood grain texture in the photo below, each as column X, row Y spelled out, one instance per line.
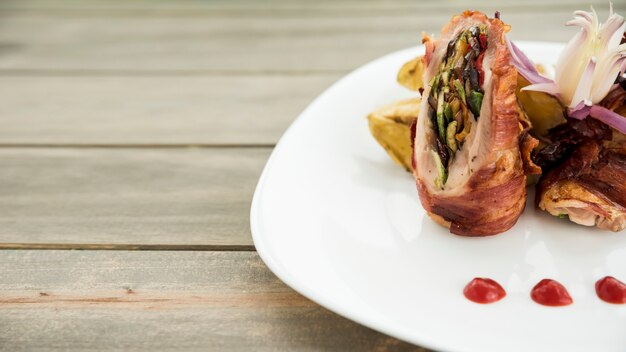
column 252, row 5
column 188, row 72
column 128, row 196
column 94, row 300
column 187, row 109
column 243, row 39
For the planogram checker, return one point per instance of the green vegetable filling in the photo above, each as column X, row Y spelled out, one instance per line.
column 456, row 96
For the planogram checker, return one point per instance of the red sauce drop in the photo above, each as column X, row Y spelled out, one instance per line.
column 482, row 290
column 610, row 289
column 550, row 293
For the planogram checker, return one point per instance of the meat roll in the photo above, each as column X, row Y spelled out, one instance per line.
column 468, row 168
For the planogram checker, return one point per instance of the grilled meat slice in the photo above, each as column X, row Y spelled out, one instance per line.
column 589, row 186
column 469, row 169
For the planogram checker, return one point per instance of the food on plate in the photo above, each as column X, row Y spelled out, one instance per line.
column 587, row 70
column 585, row 177
column 551, row 293
column 584, row 158
column 543, row 110
column 611, row 290
column 490, row 122
column 469, row 169
column 483, row 290
column 535, row 108
column 391, row 126
column 410, row 74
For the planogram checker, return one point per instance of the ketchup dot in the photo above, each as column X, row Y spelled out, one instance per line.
column 483, row 290
column 550, row 293
column 611, row 290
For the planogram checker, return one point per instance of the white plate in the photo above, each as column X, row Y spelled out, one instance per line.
column 336, row 220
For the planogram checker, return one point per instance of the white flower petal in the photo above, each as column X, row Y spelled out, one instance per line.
column 550, row 88
column 607, row 69
column 586, row 69
column 583, row 89
column 611, row 32
column 574, row 58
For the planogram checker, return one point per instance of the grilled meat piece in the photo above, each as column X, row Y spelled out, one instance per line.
column 469, row 169
column 589, row 186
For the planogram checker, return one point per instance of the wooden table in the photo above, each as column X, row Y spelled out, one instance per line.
column 132, row 134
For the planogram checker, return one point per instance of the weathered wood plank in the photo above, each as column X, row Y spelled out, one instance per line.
column 183, row 105
column 128, row 196
column 93, row 300
column 232, row 44
column 364, row 6
column 295, row 41
column 207, row 68
column 188, row 109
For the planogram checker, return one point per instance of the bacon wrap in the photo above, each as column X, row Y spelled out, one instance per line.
column 428, row 52
column 589, row 186
column 485, row 192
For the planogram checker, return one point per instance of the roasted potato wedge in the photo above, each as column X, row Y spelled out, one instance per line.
column 410, row 75
column 391, row 126
column 543, row 110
